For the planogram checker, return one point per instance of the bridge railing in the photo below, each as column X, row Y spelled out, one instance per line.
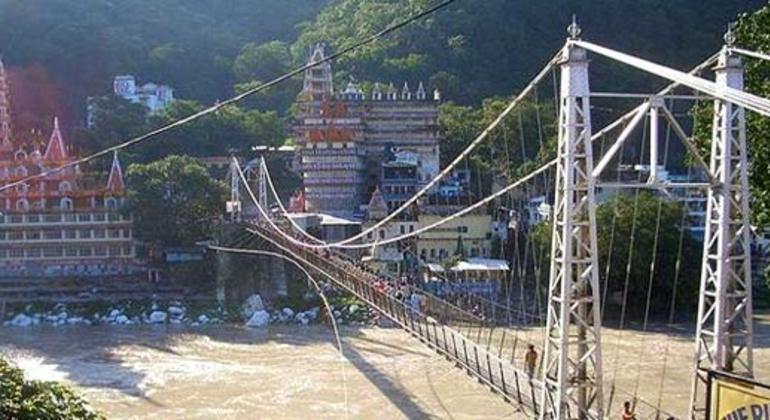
column 499, row 374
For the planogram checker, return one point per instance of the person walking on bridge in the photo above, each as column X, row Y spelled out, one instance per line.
column 530, row 361
column 628, row 412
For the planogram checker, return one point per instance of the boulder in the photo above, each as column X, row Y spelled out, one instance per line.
column 288, row 312
column 22, row 320
column 158, row 317
column 258, row 319
column 114, row 314
column 203, row 319
column 176, row 311
column 121, row 319
column 353, row 308
column 251, row 305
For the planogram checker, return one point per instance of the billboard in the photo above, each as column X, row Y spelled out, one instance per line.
column 737, row 398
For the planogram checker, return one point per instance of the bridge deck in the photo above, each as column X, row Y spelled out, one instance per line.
column 499, row 374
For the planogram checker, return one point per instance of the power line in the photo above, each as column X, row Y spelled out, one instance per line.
column 234, row 99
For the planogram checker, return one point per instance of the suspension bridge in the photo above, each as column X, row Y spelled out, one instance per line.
column 572, row 380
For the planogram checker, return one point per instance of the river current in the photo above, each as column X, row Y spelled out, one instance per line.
column 229, row 372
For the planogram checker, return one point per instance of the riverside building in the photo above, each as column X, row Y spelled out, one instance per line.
column 345, row 137
column 64, row 223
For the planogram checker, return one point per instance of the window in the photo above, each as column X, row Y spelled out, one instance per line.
column 17, row 253
column 114, row 251
column 65, row 203
column 85, row 252
column 99, row 233
column 100, row 251
column 111, row 203
column 22, row 205
column 65, row 186
column 84, row 217
column 84, row 233
column 71, row 252
column 113, row 233
column 432, row 253
column 34, row 235
column 382, row 233
column 411, row 228
column 52, row 234
column 21, row 171
column 403, row 229
column 70, row 234
column 22, row 188
column 127, row 250
column 33, row 218
column 53, row 252
column 16, row 235
column 99, row 217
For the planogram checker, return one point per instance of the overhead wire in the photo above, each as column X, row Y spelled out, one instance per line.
column 321, row 294
column 216, row 107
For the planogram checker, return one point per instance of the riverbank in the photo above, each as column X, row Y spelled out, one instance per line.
column 253, row 313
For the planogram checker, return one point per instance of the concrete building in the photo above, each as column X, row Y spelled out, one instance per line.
column 343, row 138
column 66, row 223
column 471, row 231
column 153, row 96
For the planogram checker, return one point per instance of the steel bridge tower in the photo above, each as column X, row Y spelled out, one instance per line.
column 724, row 336
column 573, row 361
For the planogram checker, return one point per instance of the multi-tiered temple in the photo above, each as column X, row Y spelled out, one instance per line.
column 344, row 138
column 65, row 222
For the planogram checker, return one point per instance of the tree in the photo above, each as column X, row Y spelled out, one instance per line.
column 174, row 201
column 22, row 399
column 230, row 128
column 114, row 120
column 615, row 222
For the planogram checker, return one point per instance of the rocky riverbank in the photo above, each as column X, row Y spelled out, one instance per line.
column 252, row 313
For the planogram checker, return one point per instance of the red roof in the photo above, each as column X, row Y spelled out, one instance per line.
column 115, row 181
column 56, row 151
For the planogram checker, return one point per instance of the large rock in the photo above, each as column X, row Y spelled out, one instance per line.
column 22, row 320
column 252, row 305
column 121, row 319
column 258, row 319
column 158, row 317
column 176, row 312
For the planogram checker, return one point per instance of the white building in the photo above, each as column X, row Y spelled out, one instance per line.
column 153, row 96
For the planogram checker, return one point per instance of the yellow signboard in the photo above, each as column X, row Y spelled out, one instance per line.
column 738, row 401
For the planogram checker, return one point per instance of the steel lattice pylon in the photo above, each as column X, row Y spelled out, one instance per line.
column 572, row 361
column 724, row 329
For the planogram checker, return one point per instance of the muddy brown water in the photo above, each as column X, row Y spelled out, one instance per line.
column 287, row 372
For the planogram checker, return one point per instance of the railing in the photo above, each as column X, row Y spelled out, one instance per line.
column 499, row 374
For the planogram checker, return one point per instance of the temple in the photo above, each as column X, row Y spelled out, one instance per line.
column 66, row 222
column 349, row 142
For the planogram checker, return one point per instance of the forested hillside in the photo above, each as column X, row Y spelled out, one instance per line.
column 61, row 51
column 66, row 50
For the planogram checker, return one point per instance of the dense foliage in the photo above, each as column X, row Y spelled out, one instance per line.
column 629, row 272
column 21, row 399
column 190, row 45
column 480, row 48
column 174, row 201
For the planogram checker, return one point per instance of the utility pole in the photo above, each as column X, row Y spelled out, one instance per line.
column 724, row 336
column 573, row 362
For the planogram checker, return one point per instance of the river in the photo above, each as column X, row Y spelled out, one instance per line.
column 293, row 372
column 229, row 372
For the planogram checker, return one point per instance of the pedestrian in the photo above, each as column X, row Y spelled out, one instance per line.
column 628, row 412
column 414, row 301
column 530, row 361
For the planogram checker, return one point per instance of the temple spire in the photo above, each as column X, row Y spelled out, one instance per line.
column 5, row 110
column 56, row 150
column 115, row 181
